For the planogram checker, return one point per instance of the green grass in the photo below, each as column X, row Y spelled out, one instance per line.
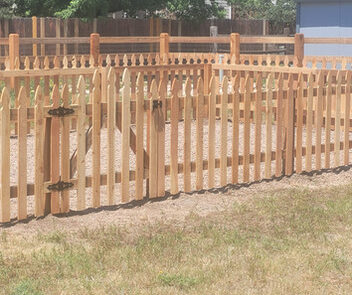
column 289, row 242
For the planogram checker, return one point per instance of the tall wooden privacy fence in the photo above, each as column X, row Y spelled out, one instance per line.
column 88, row 137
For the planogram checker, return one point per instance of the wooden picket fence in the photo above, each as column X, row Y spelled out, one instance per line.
column 113, row 137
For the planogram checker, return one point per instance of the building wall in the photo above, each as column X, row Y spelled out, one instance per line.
column 325, row 19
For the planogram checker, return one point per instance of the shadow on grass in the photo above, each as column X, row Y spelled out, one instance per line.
column 145, row 200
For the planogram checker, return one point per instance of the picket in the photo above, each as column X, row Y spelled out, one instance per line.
column 289, row 109
column 139, row 137
column 199, row 134
column 39, row 151
column 125, row 141
column 111, row 122
column 328, row 120
column 81, row 145
column 347, row 112
column 65, row 151
column 268, row 124
column 22, row 155
column 258, row 127
column 337, row 120
column 235, row 128
column 5, row 155
column 174, row 116
column 187, row 137
column 96, row 125
column 224, row 123
column 211, row 133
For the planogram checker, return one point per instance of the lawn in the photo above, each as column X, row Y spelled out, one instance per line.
column 287, row 242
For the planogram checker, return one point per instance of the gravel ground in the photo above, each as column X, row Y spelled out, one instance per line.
column 202, row 203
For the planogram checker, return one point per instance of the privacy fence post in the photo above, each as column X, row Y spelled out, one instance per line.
column 164, row 47
column 299, row 50
column 34, row 35
column 14, row 52
column 95, row 47
column 235, row 47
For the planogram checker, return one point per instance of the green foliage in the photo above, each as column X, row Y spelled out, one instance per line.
column 6, row 8
column 86, row 9
column 282, row 11
column 195, row 9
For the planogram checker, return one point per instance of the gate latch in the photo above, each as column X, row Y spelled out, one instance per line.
column 60, row 186
column 61, row 112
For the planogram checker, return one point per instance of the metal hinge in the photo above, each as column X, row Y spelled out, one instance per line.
column 61, row 112
column 60, row 186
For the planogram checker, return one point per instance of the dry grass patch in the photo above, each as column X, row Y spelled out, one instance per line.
column 288, row 242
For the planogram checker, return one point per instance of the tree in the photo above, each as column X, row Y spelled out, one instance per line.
column 181, row 9
column 280, row 11
column 6, row 8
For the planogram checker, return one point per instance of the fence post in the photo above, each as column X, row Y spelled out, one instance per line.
column 235, row 47
column 95, row 47
column 14, row 52
column 164, row 48
column 299, row 50
column 34, row 34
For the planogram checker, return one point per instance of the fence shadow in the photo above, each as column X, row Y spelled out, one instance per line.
column 134, row 204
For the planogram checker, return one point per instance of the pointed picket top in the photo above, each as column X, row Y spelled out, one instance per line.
column 27, row 63
column 235, row 84
column 56, row 62
column 125, row 60
column 96, row 79
column 117, row 60
column 338, row 77
column 212, row 85
column 154, row 90
column 188, row 87
column 46, row 63
column 225, row 84
column 300, row 80
column 157, row 59
column 279, row 82
column 7, row 64
column 269, row 81
column 82, row 61
column 259, row 82
column 141, row 60
column 38, row 97
column 17, row 63
column 175, row 85
column 162, row 87
column 126, row 80
column 64, row 95
column 81, row 90
column 36, row 63
column 111, row 76
column 140, row 83
column 149, row 60
column 55, row 96
column 179, row 58
column 22, row 98
column 133, row 60
column 5, row 98
column 108, row 60
column 65, row 62
column 74, row 62
column 200, row 85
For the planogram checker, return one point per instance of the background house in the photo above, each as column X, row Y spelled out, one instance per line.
column 325, row 18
